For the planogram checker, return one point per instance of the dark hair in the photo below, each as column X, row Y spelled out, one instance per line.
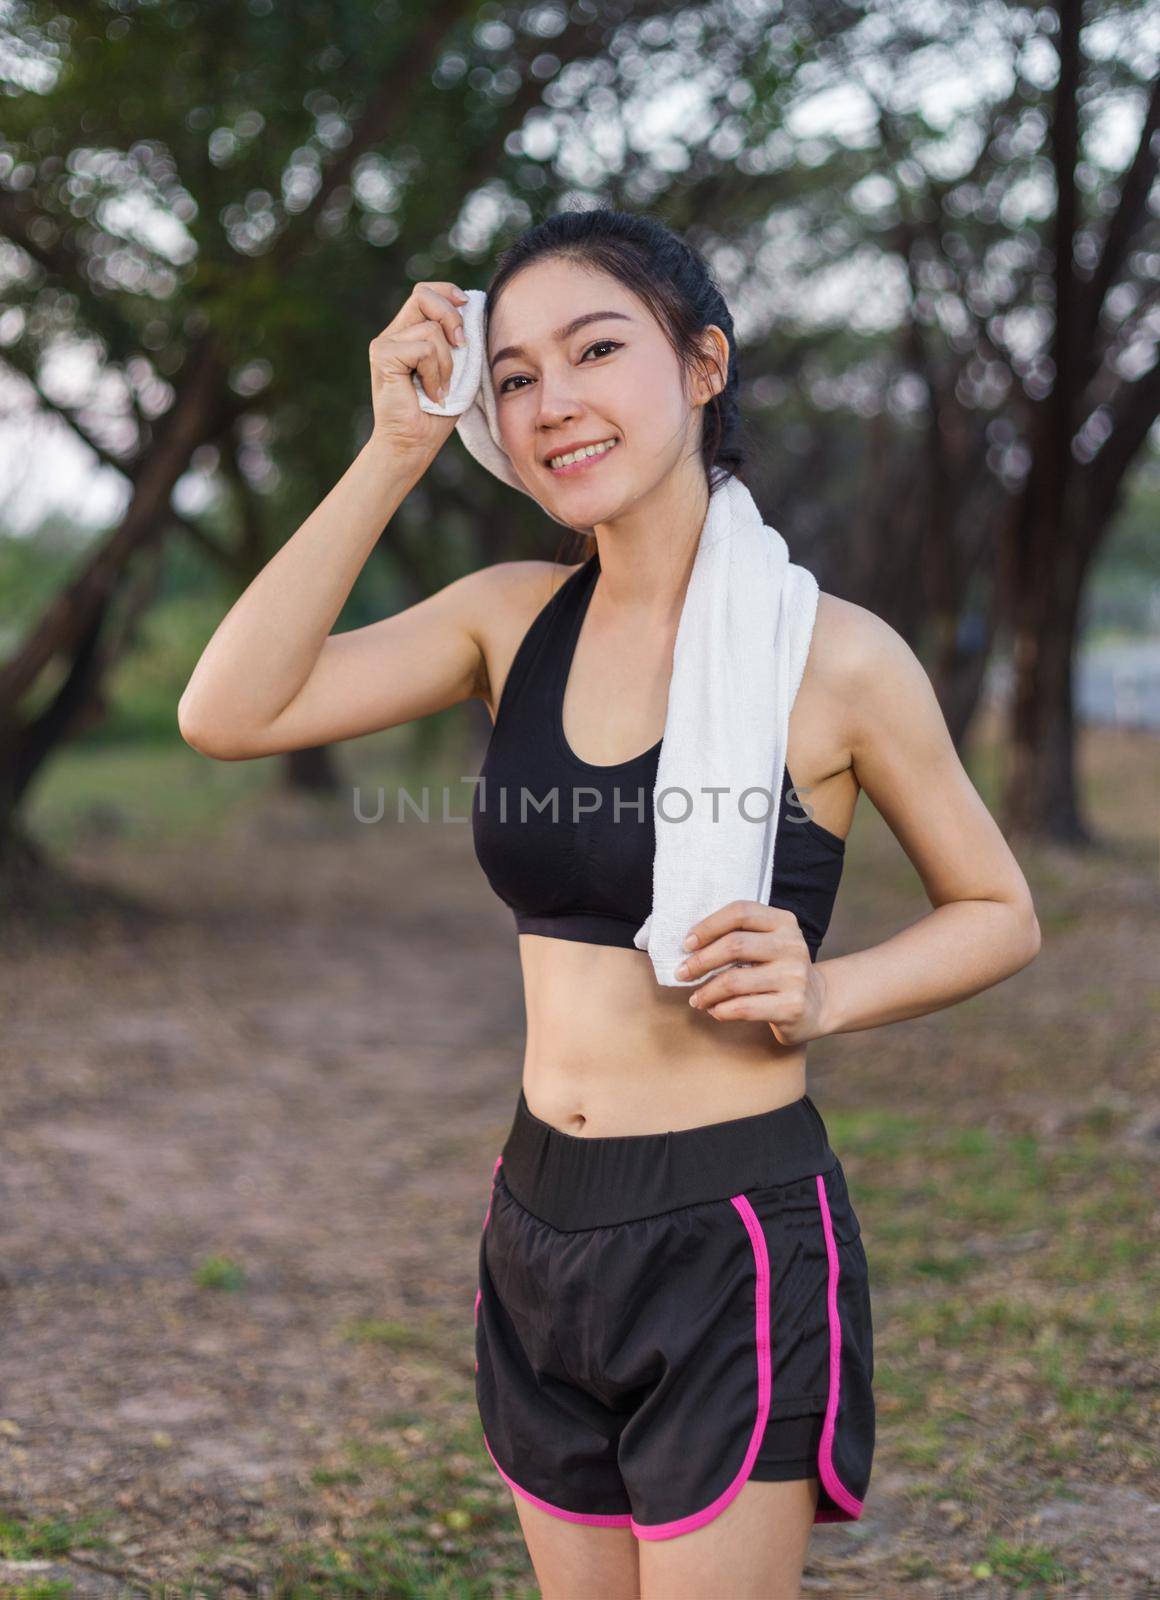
column 674, row 281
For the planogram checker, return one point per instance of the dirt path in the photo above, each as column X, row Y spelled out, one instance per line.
column 279, row 1073
column 300, row 1069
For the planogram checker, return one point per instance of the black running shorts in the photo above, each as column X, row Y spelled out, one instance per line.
column 661, row 1317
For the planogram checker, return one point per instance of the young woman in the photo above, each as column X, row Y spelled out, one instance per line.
column 673, row 1337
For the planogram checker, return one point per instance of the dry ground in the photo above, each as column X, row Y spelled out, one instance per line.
column 245, row 1148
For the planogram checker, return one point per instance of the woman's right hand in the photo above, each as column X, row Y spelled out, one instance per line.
column 418, row 340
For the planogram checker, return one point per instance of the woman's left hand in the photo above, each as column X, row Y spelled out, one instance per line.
column 778, row 984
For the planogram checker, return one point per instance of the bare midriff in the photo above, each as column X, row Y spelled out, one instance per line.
column 610, row 1051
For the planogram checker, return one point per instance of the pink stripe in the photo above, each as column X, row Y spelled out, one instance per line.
column 491, row 1191
column 620, row 1519
column 850, row 1506
column 668, row 1530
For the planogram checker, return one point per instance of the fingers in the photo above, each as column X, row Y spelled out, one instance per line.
column 765, row 992
column 395, row 356
column 430, row 302
column 421, row 348
column 435, row 367
column 737, row 914
column 433, row 303
column 437, row 301
column 739, row 931
column 421, row 336
column 755, row 978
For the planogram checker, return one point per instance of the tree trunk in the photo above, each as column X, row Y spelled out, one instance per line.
column 1042, row 793
column 310, row 771
column 1045, row 564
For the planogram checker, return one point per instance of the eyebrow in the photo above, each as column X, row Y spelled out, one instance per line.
column 563, row 333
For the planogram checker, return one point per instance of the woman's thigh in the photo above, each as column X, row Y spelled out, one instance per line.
column 754, row 1550
column 575, row 1562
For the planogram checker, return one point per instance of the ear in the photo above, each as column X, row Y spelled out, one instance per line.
column 715, row 353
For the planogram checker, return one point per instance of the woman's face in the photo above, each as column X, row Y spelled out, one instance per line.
column 616, row 377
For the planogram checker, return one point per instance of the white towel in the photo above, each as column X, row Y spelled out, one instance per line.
column 740, row 651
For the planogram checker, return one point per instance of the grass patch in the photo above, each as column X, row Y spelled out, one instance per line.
column 394, row 1335
column 945, row 1268
column 50, row 1539
column 392, row 1559
column 442, row 1528
column 924, row 1446
column 43, row 1589
column 1027, row 1566
column 335, row 1477
column 1011, row 1277
column 160, row 789
column 139, row 791
column 219, row 1272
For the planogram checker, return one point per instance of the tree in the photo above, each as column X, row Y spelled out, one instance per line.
column 212, row 199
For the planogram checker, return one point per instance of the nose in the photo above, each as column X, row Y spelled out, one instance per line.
column 554, row 422
column 556, row 404
column 556, row 415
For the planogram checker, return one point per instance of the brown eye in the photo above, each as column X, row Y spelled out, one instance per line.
column 608, row 344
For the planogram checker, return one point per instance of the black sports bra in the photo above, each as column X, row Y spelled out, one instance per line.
column 569, row 845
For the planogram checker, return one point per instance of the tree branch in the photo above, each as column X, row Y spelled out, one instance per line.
column 1134, row 412
column 1134, row 191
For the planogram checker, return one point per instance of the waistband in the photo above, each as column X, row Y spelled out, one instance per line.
column 572, row 1182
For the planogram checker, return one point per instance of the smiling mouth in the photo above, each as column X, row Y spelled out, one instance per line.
column 586, row 460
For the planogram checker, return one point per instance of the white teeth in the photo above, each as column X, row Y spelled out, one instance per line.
column 579, row 455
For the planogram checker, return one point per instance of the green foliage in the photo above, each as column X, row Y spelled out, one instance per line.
column 169, row 155
column 383, row 1331
column 33, row 568
column 219, row 1272
column 143, row 692
column 1026, row 1566
column 50, row 1538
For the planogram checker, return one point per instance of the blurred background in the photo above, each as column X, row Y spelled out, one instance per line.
column 259, row 1045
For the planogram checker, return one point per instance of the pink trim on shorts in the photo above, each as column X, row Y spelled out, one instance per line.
column 849, row 1507
column 612, row 1519
column 669, row 1530
column 619, row 1519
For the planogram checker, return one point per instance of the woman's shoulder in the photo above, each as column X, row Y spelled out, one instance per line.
column 517, row 580
column 510, row 596
column 513, row 593
column 865, row 669
column 505, row 591
column 851, row 645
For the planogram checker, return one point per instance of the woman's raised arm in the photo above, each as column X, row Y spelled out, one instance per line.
column 273, row 677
